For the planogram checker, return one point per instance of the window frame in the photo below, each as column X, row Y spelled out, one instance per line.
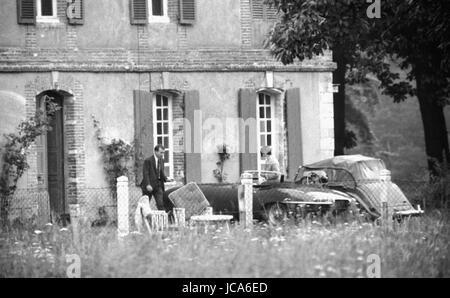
column 170, row 164
column 273, row 132
column 158, row 19
column 47, row 19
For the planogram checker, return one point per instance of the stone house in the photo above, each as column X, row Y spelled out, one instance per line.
column 190, row 74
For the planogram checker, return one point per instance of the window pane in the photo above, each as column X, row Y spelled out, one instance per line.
column 158, row 100
column 166, row 156
column 166, row 114
column 261, row 113
column 47, row 8
column 158, row 114
column 166, row 142
column 268, row 114
column 267, row 100
column 157, row 7
column 159, row 128
column 263, row 140
column 165, row 101
column 160, row 140
column 261, row 99
column 269, row 140
column 269, row 126
column 166, row 128
column 262, row 126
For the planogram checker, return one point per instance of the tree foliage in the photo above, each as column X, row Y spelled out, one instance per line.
column 412, row 33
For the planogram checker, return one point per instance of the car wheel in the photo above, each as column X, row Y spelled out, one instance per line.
column 276, row 214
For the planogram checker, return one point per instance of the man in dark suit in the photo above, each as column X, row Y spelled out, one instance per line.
column 154, row 177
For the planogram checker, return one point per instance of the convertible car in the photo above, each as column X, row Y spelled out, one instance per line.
column 364, row 178
column 338, row 186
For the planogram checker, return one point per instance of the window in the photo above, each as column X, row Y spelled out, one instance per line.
column 162, row 128
column 46, row 11
column 158, row 11
column 265, row 127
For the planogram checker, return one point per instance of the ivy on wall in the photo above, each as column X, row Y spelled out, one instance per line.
column 16, row 149
column 224, row 155
column 117, row 156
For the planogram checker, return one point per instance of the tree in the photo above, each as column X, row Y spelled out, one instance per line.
column 416, row 33
column 412, row 33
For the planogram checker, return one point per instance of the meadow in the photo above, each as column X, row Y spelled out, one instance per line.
column 419, row 247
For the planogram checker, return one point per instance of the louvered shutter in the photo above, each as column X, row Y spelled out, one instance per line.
column 257, row 9
column 75, row 13
column 271, row 13
column 143, row 129
column 192, row 138
column 263, row 11
column 295, row 149
column 248, row 133
column 26, row 11
column 138, row 12
column 187, row 11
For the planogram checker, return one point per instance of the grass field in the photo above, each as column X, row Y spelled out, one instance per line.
column 417, row 248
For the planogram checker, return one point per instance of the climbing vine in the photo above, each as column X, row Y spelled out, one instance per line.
column 224, row 155
column 16, row 149
column 117, row 156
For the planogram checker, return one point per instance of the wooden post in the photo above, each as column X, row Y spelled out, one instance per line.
column 123, row 227
column 179, row 215
column 246, row 200
column 385, row 177
column 74, row 210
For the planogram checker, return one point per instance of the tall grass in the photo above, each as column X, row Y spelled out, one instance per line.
column 417, row 248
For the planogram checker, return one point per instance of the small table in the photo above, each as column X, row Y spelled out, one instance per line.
column 207, row 220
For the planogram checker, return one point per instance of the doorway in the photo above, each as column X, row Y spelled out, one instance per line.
column 51, row 155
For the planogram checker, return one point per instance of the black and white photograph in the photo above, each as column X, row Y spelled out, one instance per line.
column 224, row 143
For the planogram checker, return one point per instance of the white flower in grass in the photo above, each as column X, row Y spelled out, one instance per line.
column 49, row 224
column 332, row 254
column 318, row 267
column 37, row 232
column 63, row 230
column 254, row 239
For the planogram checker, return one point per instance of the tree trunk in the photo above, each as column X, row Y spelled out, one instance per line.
column 435, row 129
column 339, row 102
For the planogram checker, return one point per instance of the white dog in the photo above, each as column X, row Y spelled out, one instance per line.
column 142, row 212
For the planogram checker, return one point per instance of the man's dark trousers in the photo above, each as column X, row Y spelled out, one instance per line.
column 153, row 175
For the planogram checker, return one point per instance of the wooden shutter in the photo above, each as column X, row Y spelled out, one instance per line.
column 187, row 11
column 143, row 129
column 257, row 9
column 295, row 150
column 26, row 11
column 77, row 17
column 263, row 11
column 41, row 152
column 138, row 12
column 248, row 134
column 192, row 159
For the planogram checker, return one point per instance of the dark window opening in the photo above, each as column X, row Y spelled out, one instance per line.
column 157, row 7
column 47, row 8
